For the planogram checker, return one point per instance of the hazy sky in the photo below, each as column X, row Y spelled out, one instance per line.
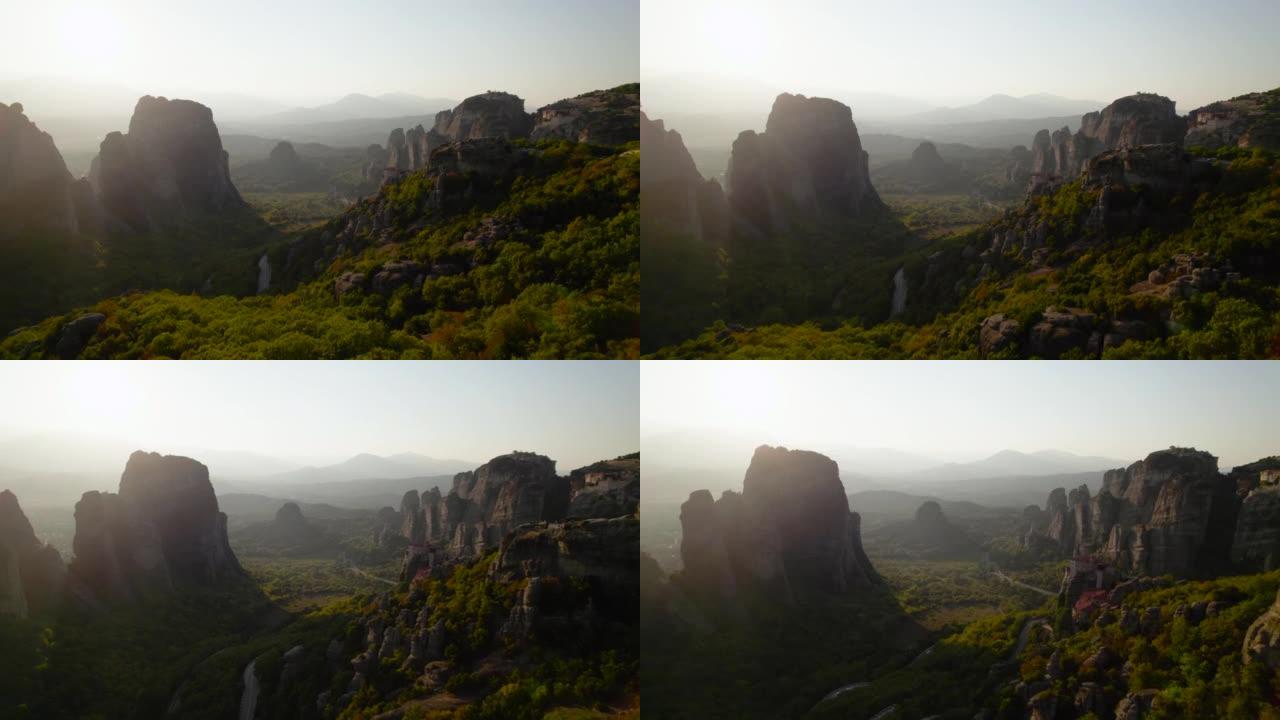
column 969, row 409
column 311, row 51
column 573, row 412
column 1192, row 51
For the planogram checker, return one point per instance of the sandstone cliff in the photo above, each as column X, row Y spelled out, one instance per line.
column 1171, row 513
column 1142, row 119
column 1256, row 545
column 1248, row 121
column 161, row 531
column 809, row 159
column 789, row 532
column 602, row 117
column 170, row 162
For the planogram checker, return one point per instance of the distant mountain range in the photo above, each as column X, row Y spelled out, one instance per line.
column 357, row 106
column 1006, row 107
column 369, row 467
column 1008, row 463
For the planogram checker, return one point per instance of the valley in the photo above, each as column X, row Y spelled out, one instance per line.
column 495, row 232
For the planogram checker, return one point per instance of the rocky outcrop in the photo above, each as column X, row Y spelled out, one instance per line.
column 1256, row 545
column 161, row 531
column 809, row 158
column 790, row 531
column 37, row 193
column 1171, row 513
column 600, row 554
column 1248, row 121
column 606, row 489
column 489, row 115
column 1262, row 640
column 678, row 201
column 31, row 573
column 170, row 163
column 602, row 117
column 1129, row 122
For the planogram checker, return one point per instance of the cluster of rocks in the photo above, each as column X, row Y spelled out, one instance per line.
column 1058, row 332
column 405, row 634
column 603, row 117
column 1171, row 513
column 1186, row 274
column 789, row 531
column 1262, row 640
column 31, row 573
column 485, row 505
column 1141, row 119
column 809, row 157
column 161, row 531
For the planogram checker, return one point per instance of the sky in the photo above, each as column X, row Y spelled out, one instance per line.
column 969, row 410
column 315, row 51
column 1192, row 51
column 321, row 412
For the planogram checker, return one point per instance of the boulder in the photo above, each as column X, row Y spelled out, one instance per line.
column 1060, row 331
column 76, row 334
column 1136, row 705
column 1262, row 639
column 997, row 333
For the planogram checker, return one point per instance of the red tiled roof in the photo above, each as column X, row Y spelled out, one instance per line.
column 1089, row 598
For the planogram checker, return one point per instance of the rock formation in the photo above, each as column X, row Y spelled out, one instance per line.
column 677, row 200
column 1256, row 545
column 1129, row 122
column 161, row 531
column 602, row 117
column 485, row 505
column 1262, row 640
column 170, row 162
column 790, row 531
column 606, row 489
column 1247, row 121
column 809, row 158
column 37, row 193
column 489, row 115
column 1171, row 513
column 31, row 573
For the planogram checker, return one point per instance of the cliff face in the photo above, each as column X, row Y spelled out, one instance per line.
column 678, row 201
column 162, row 529
column 1143, row 119
column 170, row 161
column 603, row 117
column 36, row 190
column 1256, row 545
column 1247, row 121
column 789, row 531
column 809, row 158
column 1169, row 513
column 31, row 573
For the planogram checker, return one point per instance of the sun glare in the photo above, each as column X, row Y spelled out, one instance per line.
column 92, row 33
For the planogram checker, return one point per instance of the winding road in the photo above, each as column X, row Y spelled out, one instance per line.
column 1021, row 584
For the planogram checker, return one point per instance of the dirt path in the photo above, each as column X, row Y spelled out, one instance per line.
column 368, row 576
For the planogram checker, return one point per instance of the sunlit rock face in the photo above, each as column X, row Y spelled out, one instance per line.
column 602, row 117
column 1171, row 512
column 161, row 531
column 808, row 159
column 170, row 162
column 1247, row 121
column 790, row 531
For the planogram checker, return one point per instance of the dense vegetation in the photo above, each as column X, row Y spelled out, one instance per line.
column 1235, row 222
column 566, row 285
